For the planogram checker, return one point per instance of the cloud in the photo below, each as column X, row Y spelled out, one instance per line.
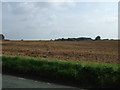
column 46, row 20
column 28, row 7
column 0, row 17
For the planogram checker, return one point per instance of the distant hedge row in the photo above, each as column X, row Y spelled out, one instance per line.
column 75, row 39
column 84, row 74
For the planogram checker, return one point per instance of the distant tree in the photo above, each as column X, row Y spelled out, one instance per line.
column 62, row 39
column 74, row 39
column 51, row 40
column 2, row 37
column 98, row 38
column 105, row 39
column 69, row 39
column 21, row 39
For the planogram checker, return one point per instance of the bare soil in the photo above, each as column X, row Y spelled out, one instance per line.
column 91, row 51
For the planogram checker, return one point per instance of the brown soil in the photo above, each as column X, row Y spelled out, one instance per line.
column 93, row 51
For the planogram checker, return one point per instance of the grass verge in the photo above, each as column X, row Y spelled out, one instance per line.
column 83, row 73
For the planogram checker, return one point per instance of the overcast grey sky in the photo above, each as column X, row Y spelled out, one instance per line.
column 51, row 20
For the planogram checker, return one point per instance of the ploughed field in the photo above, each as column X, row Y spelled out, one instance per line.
column 91, row 51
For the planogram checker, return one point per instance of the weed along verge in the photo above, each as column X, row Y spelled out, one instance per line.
column 83, row 73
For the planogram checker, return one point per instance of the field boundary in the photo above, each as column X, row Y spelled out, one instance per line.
column 84, row 74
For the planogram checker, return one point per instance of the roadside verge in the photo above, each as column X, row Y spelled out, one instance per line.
column 83, row 73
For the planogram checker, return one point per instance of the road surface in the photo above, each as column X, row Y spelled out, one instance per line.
column 9, row 81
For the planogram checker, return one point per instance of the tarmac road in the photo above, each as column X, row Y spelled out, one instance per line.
column 9, row 81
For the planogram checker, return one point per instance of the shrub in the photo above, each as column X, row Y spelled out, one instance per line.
column 85, row 74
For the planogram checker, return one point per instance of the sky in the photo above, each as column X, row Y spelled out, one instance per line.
column 52, row 20
column 0, row 18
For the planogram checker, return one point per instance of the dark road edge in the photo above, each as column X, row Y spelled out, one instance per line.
column 44, row 79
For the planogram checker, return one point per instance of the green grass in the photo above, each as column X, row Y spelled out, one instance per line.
column 85, row 74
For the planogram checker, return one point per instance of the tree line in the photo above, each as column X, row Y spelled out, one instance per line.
column 2, row 37
column 78, row 39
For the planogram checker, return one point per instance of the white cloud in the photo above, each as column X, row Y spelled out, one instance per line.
column 0, row 17
column 60, row 0
column 52, row 20
column 29, row 7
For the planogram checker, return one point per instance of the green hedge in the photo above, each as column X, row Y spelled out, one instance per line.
column 83, row 73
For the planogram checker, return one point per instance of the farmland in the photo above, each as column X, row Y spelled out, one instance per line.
column 86, row 51
column 87, row 64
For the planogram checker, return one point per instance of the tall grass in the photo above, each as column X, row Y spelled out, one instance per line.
column 84, row 74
